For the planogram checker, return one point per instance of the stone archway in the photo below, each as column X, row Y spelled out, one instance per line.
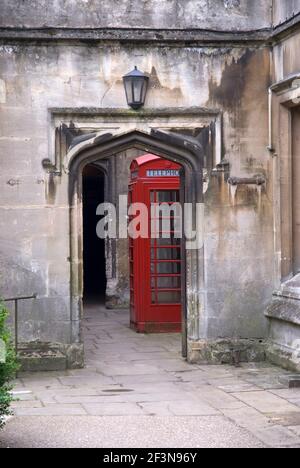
column 186, row 151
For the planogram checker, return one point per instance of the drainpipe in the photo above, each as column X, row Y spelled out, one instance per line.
column 270, row 146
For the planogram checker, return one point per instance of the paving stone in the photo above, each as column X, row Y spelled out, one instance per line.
column 116, row 349
column 218, row 399
column 196, row 376
column 153, row 356
column 187, row 387
column 156, row 408
column 28, row 383
column 86, row 373
column 248, row 418
column 295, row 430
column 265, row 383
column 228, row 383
column 160, row 396
column 285, row 419
column 83, row 381
column 46, row 397
column 191, row 408
column 278, row 436
column 295, row 402
column 26, row 404
column 18, row 385
column 113, row 409
column 159, row 387
column 149, row 348
column 216, row 372
column 52, row 410
column 24, row 396
column 262, row 368
column 128, row 369
column 237, row 387
column 219, row 378
column 90, row 399
column 84, row 391
column 42, row 375
column 217, row 368
column 149, row 378
column 174, row 365
column 288, row 393
column 53, row 389
column 266, row 402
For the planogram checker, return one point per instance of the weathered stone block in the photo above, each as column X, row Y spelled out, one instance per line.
column 39, row 356
column 284, row 331
column 226, row 351
column 282, row 357
column 46, row 360
column 291, row 381
column 75, row 356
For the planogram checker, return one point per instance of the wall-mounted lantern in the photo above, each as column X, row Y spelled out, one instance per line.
column 136, row 85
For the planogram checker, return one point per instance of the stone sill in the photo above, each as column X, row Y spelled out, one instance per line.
column 286, row 302
column 290, row 289
column 184, row 36
column 285, row 307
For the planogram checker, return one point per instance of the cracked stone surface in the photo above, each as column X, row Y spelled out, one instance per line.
column 137, row 391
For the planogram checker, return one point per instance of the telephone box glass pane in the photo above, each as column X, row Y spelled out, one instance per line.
column 166, row 268
column 166, row 282
column 166, row 227
column 169, row 297
column 166, row 242
column 166, row 254
column 167, row 196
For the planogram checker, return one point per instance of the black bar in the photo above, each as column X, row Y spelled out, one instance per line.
column 34, row 296
column 16, row 300
column 16, row 326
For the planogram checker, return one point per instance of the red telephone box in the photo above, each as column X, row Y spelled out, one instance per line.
column 155, row 262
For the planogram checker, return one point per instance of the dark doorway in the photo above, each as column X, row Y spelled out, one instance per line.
column 94, row 265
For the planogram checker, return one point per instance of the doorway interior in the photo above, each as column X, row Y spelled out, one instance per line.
column 94, row 260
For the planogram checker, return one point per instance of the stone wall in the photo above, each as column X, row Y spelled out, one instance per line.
column 286, row 58
column 284, row 10
column 207, row 14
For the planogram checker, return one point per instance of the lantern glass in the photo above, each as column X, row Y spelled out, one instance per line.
column 136, row 84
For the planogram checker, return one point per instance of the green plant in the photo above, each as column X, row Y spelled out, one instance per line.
column 8, row 365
